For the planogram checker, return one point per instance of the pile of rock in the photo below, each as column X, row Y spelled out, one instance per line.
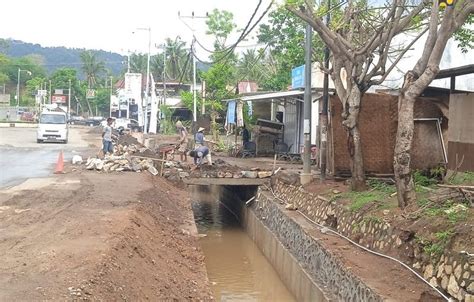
column 121, row 163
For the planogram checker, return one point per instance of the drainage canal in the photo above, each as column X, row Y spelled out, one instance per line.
column 236, row 268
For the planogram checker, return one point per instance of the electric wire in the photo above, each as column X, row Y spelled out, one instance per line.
column 241, row 38
column 364, row 248
column 243, row 32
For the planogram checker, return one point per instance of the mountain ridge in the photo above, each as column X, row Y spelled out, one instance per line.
column 59, row 56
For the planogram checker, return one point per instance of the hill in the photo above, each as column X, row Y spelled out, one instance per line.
column 59, row 57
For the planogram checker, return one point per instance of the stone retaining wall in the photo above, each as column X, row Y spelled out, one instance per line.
column 452, row 273
column 328, row 272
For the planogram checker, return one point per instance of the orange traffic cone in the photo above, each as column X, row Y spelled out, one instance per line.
column 60, row 164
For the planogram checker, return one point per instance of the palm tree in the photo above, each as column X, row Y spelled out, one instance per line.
column 251, row 66
column 138, row 63
column 176, row 55
column 156, row 66
column 91, row 67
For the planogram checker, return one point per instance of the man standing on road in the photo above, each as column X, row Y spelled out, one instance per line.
column 183, row 141
column 107, row 137
column 8, row 114
column 199, row 153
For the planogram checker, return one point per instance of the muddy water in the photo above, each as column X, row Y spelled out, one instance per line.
column 238, row 271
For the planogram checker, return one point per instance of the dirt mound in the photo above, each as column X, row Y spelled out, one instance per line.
column 127, row 139
column 156, row 258
column 105, row 237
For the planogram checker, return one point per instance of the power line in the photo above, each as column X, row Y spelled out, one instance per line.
column 244, row 34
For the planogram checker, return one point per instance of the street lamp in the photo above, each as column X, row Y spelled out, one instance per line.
column 18, row 87
column 147, row 90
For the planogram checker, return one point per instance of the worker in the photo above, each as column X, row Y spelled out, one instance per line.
column 199, row 138
column 199, row 153
column 107, row 137
column 183, row 141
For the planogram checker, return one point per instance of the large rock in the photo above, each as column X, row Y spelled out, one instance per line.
column 153, row 170
column 264, row 174
column 453, row 287
column 249, row 174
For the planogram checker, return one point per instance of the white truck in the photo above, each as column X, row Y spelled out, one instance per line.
column 52, row 126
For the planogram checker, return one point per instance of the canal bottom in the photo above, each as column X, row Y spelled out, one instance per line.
column 237, row 269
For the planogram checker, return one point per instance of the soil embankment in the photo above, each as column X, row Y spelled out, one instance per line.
column 87, row 235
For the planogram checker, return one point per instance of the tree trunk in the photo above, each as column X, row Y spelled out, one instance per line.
column 357, row 162
column 354, row 144
column 402, row 158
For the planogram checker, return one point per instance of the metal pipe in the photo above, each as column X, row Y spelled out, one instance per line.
column 438, row 123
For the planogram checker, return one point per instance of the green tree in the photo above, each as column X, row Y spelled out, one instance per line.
column 284, row 33
column 176, row 56
column 4, row 61
column 220, row 24
column 91, row 66
column 465, row 35
column 250, row 66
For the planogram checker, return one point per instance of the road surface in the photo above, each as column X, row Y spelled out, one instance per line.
column 22, row 158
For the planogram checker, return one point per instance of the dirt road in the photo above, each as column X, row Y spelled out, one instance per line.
column 94, row 236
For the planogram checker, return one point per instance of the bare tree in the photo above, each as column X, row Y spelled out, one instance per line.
column 360, row 39
column 442, row 26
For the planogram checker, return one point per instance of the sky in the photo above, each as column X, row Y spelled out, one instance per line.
column 112, row 25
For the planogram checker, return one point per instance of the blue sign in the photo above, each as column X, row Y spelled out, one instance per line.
column 297, row 77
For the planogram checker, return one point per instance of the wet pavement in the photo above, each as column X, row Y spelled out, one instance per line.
column 22, row 158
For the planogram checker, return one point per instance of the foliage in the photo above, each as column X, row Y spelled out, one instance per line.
column 381, row 186
column 284, row 33
column 59, row 57
column 176, row 59
column 465, row 35
column 220, row 24
column 445, row 210
column 138, row 63
column 92, row 67
column 466, row 178
column 422, row 180
column 166, row 124
column 360, row 199
column 437, row 245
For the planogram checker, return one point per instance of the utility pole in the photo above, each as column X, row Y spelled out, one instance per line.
column 164, row 74
column 194, row 59
column 194, row 85
column 147, row 89
column 110, row 103
column 69, row 101
column 306, row 175
column 324, row 111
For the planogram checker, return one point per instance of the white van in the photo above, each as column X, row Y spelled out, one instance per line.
column 52, row 126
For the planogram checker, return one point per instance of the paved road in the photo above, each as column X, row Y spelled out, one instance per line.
column 22, row 158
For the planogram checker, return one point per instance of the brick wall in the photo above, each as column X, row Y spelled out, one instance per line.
column 377, row 123
column 378, row 127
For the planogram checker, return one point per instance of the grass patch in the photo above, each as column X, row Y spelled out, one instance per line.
column 379, row 191
column 466, row 178
column 360, row 199
column 435, row 247
column 440, row 211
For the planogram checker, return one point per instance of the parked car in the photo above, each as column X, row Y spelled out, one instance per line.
column 76, row 120
column 94, row 121
column 127, row 124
